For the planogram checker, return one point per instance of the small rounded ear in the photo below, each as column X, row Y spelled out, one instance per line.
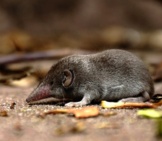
column 68, row 78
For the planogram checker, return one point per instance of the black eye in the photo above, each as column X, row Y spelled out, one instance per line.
column 51, row 82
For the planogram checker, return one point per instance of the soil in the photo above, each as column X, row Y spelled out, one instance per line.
column 20, row 121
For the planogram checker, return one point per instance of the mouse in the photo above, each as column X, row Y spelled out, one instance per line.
column 112, row 75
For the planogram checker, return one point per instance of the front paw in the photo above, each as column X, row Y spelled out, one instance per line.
column 75, row 104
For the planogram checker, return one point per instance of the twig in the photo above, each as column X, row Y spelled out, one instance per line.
column 53, row 54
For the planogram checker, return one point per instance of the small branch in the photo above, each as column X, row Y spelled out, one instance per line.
column 46, row 55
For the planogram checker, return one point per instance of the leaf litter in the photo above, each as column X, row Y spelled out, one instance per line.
column 84, row 112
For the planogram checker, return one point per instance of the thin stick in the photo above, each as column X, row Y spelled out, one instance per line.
column 53, row 54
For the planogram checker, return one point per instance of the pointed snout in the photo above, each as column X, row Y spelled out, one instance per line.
column 38, row 94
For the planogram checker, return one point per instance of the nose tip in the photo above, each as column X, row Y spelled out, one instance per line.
column 27, row 100
column 39, row 94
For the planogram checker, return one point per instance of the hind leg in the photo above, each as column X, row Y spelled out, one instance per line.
column 143, row 97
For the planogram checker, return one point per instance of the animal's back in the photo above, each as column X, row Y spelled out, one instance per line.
column 119, row 68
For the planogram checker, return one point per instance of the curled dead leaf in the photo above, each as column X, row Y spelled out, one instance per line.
column 84, row 112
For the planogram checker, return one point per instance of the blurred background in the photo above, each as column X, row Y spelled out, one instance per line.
column 34, row 34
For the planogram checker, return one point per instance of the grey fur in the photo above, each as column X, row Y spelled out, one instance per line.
column 112, row 75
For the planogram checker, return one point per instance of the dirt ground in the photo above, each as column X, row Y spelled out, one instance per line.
column 23, row 123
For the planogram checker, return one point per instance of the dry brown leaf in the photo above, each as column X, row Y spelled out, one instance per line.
column 159, row 103
column 84, row 112
column 106, row 104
